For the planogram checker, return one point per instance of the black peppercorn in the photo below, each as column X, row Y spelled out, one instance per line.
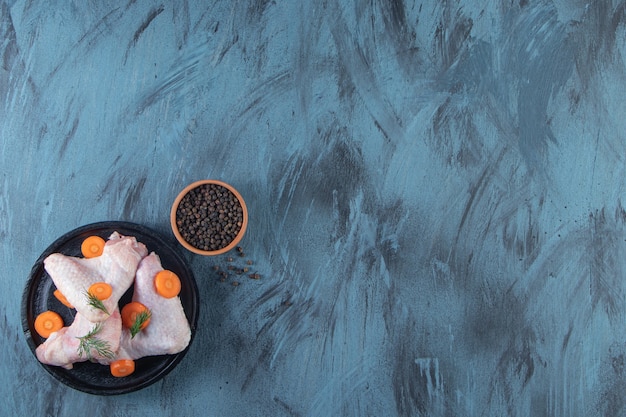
column 209, row 217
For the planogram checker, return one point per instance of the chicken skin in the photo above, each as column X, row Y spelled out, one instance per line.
column 169, row 331
column 116, row 266
column 63, row 348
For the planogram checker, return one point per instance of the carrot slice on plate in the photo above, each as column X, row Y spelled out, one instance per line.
column 122, row 367
column 101, row 290
column 59, row 296
column 167, row 284
column 135, row 316
column 47, row 323
column 92, row 246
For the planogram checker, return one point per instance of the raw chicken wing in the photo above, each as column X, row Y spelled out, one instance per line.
column 116, row 266
column 169, row 331
column 62, row 347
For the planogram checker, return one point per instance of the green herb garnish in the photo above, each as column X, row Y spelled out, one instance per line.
column 90, row 342
column 95, row 302
column 141, row 318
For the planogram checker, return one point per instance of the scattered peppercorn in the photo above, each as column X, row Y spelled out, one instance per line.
column 230, row 267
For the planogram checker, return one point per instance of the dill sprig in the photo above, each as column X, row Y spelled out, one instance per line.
column 141, row 318
column 95, row 302
column 90, row 342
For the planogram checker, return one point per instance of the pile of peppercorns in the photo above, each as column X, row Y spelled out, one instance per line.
column 209, row 217
column 234, row 268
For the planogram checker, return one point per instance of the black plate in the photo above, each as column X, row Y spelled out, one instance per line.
column 91, row 377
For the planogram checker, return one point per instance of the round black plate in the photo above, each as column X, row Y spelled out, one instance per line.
column 91, row 377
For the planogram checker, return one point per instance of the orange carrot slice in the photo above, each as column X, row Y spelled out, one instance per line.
column 47, row 323
column 167, row 284
column 101, row 290
column 62, row 299
column 92, row 246
column 122, row 367
column 135, row 316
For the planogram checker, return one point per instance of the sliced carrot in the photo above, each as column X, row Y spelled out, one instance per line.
column 167, row 284
column 101, row 290
column 122, row 367
column 59, row 295
column 92, row 246
column 130, row 312
column 47, row 323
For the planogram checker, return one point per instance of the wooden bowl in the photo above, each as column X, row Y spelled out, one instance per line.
column 189, row 246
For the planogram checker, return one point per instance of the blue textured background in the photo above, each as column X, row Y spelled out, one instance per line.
column 435, row 192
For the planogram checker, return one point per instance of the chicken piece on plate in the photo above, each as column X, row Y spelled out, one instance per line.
column 99, row 342
column 116, row 266
column 168, row 331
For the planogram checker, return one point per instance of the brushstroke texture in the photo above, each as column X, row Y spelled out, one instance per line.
column 435, row 192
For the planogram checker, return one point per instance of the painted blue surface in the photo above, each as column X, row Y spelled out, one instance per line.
column 436, row 195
